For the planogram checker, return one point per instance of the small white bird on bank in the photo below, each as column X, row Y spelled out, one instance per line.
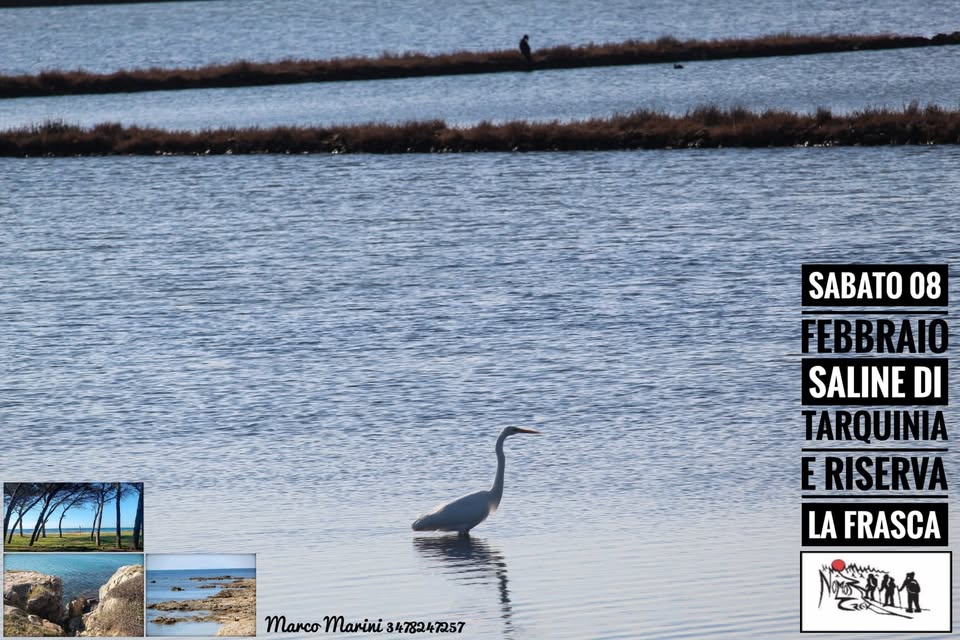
column 465, row 513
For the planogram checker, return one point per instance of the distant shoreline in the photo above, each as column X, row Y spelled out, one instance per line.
column 246, row 73
column 203, row 572
column 704, row 127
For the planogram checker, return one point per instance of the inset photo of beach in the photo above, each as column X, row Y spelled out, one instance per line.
column 201, row 595
column 73, row 594
column 73, row 516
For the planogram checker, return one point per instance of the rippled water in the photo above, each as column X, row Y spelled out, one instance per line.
column 842, row 82
column 106, row 38
column 195, row 33
column 298, row 355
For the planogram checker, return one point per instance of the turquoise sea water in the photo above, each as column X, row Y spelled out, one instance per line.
column 81, row 572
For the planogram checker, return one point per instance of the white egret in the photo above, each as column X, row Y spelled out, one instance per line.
column 465, row 513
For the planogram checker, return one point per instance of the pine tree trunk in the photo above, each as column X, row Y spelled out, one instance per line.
column 119, row 539
column 138, row 521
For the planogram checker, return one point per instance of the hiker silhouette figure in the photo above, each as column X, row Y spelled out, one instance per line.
column 888, row 587
column 913, row 593
column 871, row 587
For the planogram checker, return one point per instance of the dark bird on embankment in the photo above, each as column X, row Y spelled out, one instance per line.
column 525, row 48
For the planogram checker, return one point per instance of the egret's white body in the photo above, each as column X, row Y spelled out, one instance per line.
column 466, row 512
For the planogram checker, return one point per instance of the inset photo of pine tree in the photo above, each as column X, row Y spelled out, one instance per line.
column 72, row 516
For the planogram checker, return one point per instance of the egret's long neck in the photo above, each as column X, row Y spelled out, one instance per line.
column 496, row 492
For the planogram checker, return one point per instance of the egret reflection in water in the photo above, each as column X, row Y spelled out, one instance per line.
column 470, row 561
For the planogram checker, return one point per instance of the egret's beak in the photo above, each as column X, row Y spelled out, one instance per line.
column 533, row 431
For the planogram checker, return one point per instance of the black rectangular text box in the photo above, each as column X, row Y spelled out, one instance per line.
column 894, row 524
column 875, row 381
column 875, row 285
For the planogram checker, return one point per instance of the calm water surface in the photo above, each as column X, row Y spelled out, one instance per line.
column 841, row 82
column 300, row 354
column 106, row 38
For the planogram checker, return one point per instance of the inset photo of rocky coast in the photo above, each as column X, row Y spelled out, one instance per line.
column 73, row 594
column 201, row 595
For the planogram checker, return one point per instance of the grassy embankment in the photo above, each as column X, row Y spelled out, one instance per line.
column 631, row 52
column 704, row 127
column 72, row 541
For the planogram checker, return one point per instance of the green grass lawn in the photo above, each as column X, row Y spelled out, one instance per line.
column 72, row 542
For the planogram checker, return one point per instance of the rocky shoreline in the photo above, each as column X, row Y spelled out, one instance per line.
column 233, row 606
column 33, row 606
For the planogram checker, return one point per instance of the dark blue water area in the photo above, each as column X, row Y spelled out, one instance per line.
column 162, row 589
column 81, row 573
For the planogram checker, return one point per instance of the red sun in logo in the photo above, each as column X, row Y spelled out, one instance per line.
column 838, row 565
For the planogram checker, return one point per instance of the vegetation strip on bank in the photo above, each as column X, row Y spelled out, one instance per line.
column 409, row 65
column 707, row 127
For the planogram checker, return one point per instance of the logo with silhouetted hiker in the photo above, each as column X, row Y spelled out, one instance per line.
column 876, row 591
